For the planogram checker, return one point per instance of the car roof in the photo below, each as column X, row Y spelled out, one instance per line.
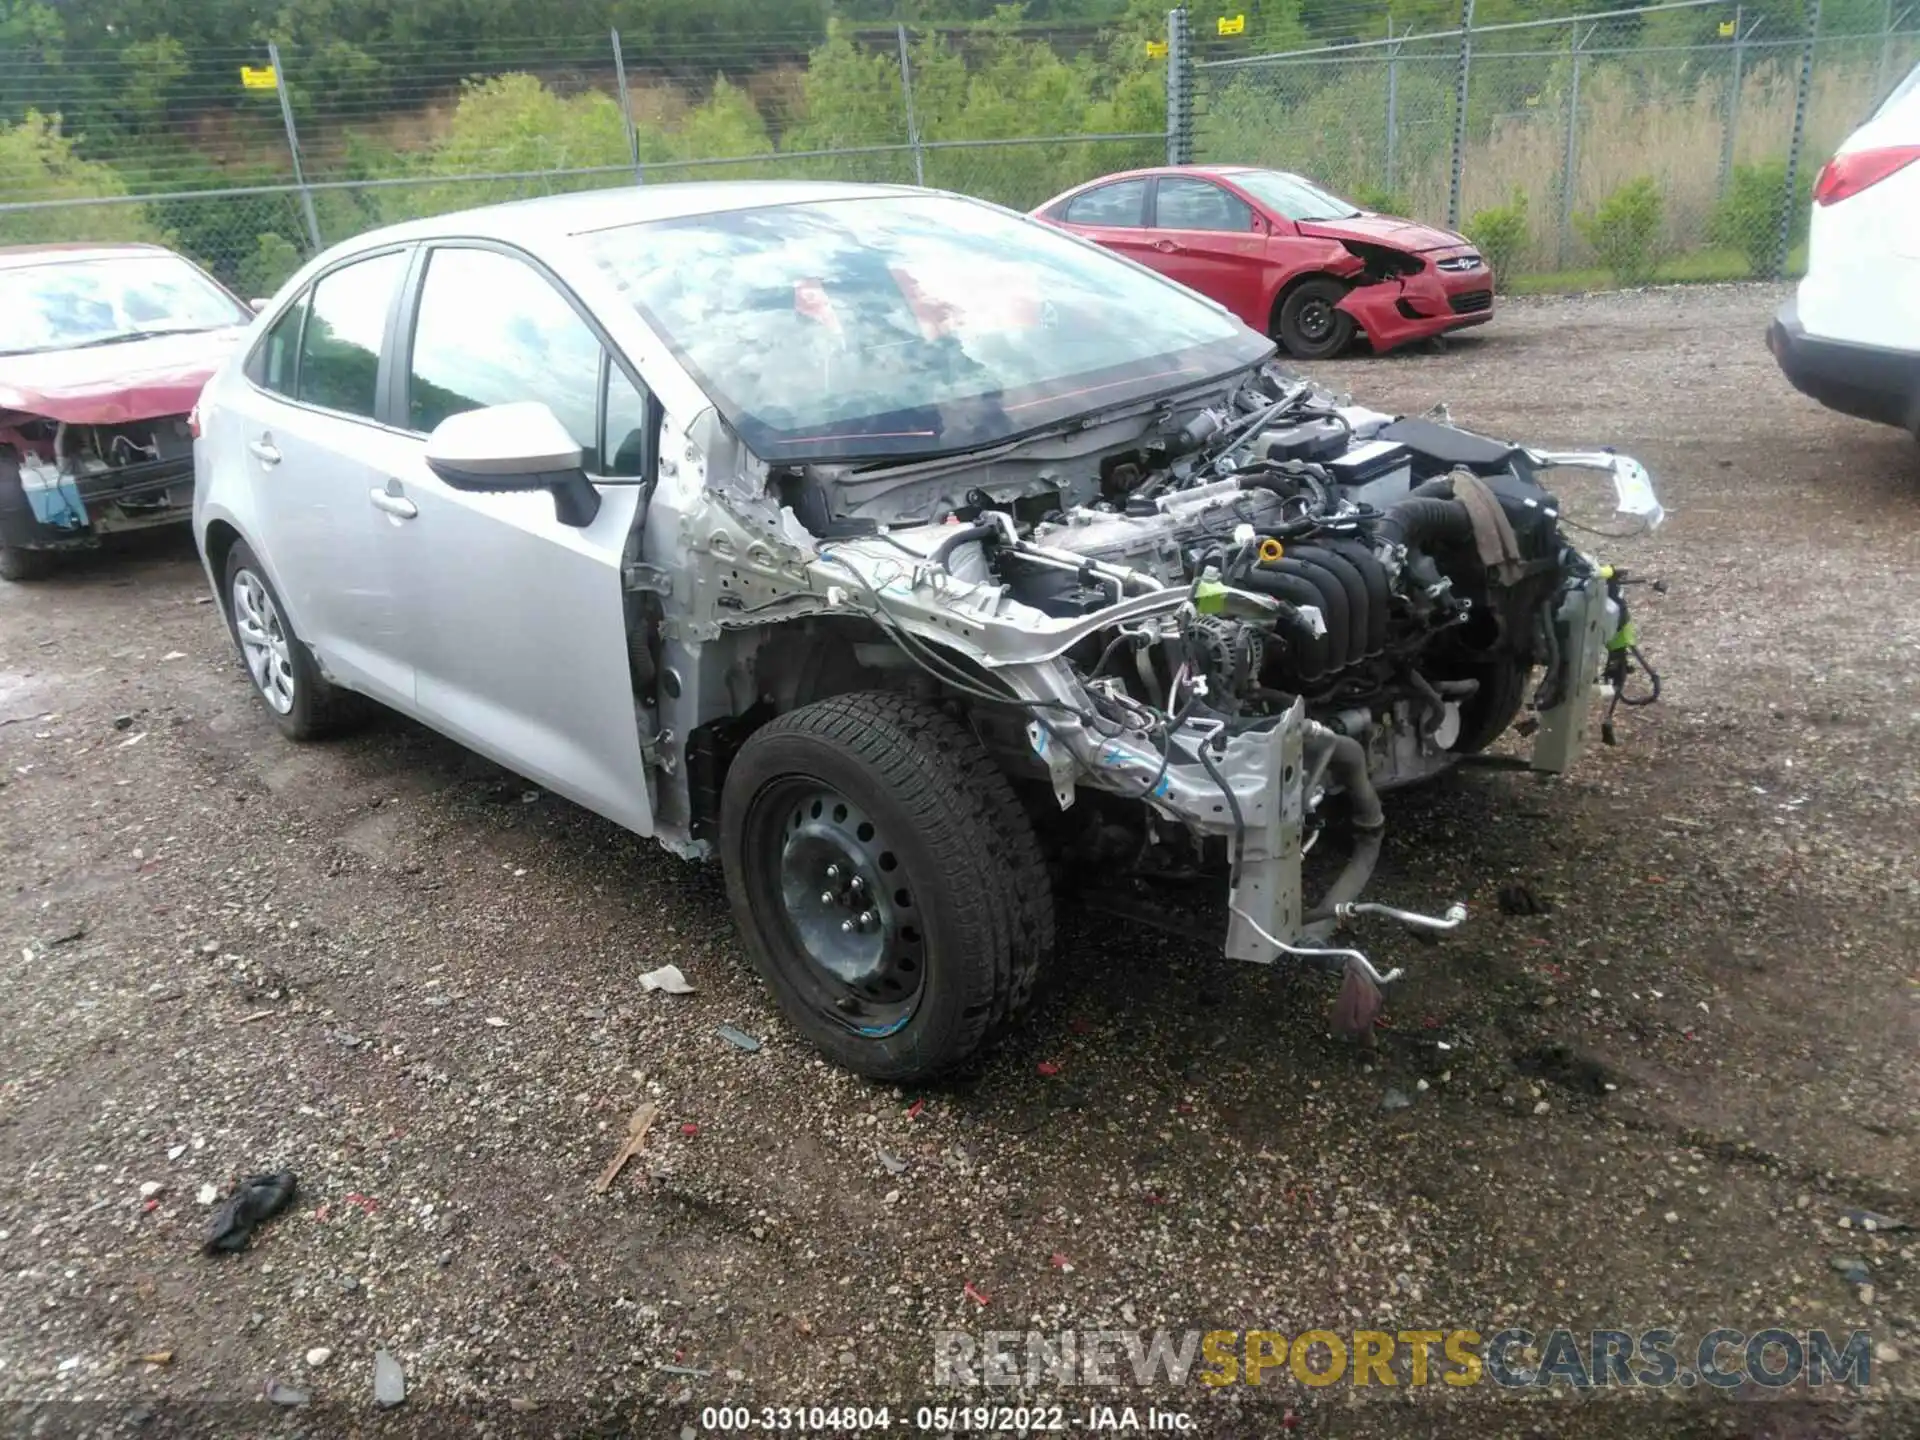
column 14, row 257
column 1147, row 170
column 585, row 211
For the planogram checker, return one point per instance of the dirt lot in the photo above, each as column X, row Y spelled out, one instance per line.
column 406, row 976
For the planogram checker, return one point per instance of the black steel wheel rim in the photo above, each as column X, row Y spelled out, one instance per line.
column 836, row 906
column 1316, row 319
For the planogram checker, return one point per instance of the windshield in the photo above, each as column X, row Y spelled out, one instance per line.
column 909, row 325
column 1291, row 196
column 65, row 304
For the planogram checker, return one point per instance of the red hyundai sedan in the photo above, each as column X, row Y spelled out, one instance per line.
column 1285, row 256
column 103, row 350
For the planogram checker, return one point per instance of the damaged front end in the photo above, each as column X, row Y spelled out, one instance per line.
column 64, row 485
column 1397, row 298
column 1205, row 629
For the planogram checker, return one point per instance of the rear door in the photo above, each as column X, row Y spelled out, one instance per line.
column 1210, row 240
column 519, row 645
column 312, row 452
column 1113, row 215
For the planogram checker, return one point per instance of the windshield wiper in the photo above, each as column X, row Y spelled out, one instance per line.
column 132, row 335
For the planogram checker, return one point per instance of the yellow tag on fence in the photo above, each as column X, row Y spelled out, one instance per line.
column 261, row 79
column 1232, row 24
column 1726, row 29
column 1157, row 49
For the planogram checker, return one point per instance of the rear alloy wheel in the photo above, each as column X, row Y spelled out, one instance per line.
column 302, row 703
column 1310, row 327
column 266, row 644
column 886, row 881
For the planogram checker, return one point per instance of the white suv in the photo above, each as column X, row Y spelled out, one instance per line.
column 1850, row 337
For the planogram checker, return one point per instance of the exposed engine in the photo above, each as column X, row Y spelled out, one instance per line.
column 1409, row 572
column 1400, row 578
column 1220, row 614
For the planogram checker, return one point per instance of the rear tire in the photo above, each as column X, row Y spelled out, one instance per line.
column 886, row 881
column 276, row 660
column 1309, row 327
column 22, row 566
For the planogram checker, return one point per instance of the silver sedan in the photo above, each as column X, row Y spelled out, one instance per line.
column 900, row 553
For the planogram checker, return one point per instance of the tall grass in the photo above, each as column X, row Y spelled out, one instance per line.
column 1663, row 114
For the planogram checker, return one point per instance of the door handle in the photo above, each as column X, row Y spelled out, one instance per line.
column 1166, row 247
column 398, row 506
column 264, row 450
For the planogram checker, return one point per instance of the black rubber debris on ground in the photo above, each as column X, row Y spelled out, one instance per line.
column 1560, row 1064
column 1519, row 898
column 259, row 1199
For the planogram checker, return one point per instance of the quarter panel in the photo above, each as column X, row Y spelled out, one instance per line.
column 1863, row 266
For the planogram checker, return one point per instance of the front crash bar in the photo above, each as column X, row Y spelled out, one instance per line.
column 1632, row 484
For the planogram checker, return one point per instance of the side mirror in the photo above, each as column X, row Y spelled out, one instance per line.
column 515, row 447
column 257, row 304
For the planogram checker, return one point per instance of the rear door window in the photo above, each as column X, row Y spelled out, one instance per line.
column 274, row 359
column 346, row 325
column 1121, row 205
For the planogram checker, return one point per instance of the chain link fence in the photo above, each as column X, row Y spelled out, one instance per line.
column 1676, row 141
column 1679, row 141
column 250, row 159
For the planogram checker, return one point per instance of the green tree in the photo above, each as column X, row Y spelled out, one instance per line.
column 151, row 72
column 726, row 124
column 508, row 124
column 849, row 96
column 38, row 162
column 272, row 259
column 33, row 68
column 514, row 123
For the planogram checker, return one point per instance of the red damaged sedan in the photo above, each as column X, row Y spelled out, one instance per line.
column 1291, row 260
column 103, row 351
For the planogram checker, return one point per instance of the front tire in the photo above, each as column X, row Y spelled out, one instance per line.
column 16, row 564
column 1309, row 327
column 21, row 566
column 277, row 661
column 886, row 881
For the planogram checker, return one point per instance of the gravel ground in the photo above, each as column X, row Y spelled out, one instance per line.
column 407, row 976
